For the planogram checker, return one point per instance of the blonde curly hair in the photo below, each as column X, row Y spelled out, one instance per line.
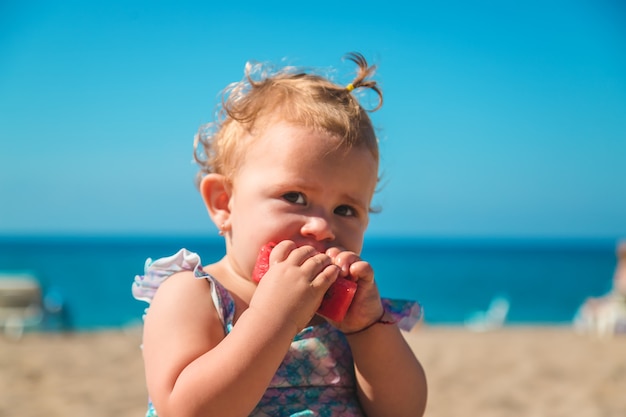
column 291, row 95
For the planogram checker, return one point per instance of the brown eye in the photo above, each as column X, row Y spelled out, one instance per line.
column 295, row 198
column 346, row 211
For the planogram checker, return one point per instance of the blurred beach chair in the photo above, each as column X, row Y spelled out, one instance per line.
column 21, row 304
column 606, row 316
column 492, row 318
column 602, row 316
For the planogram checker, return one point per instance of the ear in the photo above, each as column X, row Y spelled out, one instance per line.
column 216, row 191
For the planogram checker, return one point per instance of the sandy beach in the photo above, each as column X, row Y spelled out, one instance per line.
column 516, row 371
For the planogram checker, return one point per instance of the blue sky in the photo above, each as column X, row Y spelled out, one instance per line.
column 501, row 119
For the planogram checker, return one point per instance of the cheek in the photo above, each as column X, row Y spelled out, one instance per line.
column 353, row 239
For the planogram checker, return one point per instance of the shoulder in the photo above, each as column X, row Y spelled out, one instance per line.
column 182, row 319
column 184, row 300
column 180, row 295
column 182, row 289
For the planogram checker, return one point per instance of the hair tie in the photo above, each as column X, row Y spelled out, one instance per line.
column 350, row 87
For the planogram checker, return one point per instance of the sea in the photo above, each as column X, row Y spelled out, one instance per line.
column 544, row 281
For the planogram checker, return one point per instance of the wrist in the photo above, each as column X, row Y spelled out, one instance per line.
column 384, row 319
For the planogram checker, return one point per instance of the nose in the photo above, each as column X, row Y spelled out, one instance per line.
column 318, row 227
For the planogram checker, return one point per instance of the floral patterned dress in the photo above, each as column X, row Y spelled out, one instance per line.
column 316, row 377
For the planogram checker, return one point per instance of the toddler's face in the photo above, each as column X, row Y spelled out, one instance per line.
column 295, row 184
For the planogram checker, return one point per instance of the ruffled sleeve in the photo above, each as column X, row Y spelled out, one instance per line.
column 156, row 272
column 407, row 313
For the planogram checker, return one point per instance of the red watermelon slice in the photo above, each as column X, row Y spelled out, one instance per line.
column 337, row 299
column 262, row 262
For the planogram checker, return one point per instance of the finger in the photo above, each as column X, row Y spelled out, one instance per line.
column 316, row 264
column 300, row 255
column 281, row 251
column 345, row 260
column 326, row 277
column 362, row 270
column 333, row 252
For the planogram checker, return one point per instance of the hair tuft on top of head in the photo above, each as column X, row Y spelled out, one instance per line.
column 291, row 94
column 363, row 76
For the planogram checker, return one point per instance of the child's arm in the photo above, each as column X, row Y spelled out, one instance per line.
column 390, row 379
column 192, row 369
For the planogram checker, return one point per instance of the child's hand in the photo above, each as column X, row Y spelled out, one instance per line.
column 295, row 283
column 366, row 306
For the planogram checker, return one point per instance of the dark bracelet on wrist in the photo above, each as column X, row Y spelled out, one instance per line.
column 381, row 320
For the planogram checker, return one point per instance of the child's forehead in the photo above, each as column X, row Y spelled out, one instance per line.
column 294, row 148
column 291, row 144
column 283, row 136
